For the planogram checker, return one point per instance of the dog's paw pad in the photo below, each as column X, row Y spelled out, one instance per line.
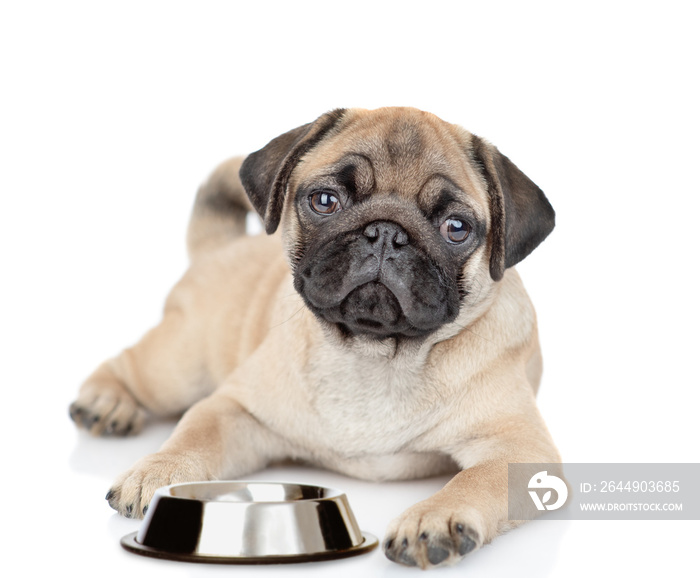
column 398, row 552
column 466, row 539
column 437, row 550
column 429, row 542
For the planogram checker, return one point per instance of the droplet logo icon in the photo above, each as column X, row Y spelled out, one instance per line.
column 542, row 480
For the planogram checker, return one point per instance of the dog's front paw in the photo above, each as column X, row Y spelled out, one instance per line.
column 133, row 490
column 105, row 407
column 430, row 534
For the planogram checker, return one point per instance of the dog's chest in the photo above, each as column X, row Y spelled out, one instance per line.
column 368, row 405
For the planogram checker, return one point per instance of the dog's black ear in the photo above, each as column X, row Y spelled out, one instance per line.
column 521, row 216
column 265, row 173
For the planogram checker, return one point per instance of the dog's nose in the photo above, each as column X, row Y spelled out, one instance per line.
column 386, row 233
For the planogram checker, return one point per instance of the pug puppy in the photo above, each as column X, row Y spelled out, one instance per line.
column 383, row 333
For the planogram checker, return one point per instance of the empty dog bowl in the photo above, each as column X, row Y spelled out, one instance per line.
column 248, row 523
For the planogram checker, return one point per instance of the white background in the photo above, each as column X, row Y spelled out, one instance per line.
column 113, row 113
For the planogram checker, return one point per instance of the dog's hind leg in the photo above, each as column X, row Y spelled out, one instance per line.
column 163, row 374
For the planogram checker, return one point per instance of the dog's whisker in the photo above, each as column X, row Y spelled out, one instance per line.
column 479, row 336
column 289, row 319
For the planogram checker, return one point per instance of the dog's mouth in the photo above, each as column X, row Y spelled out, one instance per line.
column 371, row 309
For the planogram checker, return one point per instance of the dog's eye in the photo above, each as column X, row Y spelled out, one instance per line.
column 325, row 203
column 455, row 230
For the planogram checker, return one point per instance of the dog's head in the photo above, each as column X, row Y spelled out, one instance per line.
column 392, row 218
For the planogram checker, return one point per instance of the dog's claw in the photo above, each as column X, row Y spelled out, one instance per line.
column 465, row 540
column 388, row 550
column 404, row 557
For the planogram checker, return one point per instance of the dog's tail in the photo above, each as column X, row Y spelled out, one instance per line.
column 220, row 209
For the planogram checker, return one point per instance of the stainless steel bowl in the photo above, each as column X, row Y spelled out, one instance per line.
column 248, row 523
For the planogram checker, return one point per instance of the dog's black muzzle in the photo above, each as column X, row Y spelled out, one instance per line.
column 375, row 280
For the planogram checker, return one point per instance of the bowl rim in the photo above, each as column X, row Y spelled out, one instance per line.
column 329, row 493
column 129, row 543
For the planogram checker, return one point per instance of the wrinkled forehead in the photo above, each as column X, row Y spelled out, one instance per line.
column 403, row 152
